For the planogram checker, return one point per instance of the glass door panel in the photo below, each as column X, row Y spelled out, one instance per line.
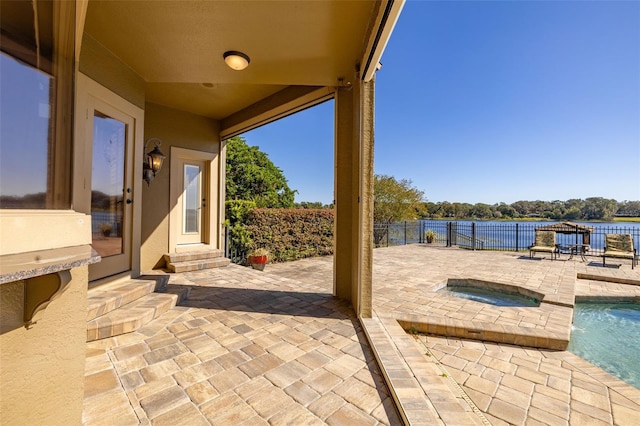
column 107, row 185
column 191, row 217
column 192, row 195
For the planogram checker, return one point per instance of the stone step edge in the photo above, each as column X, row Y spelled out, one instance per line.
column 106, row 298
column 390, row 360
column 608, row 278
column 113, row 324
column 405, row 386
column 196, row 265
column 101, row 302
column 192, row 255
column 140, row 315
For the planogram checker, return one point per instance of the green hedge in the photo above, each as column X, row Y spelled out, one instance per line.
column 236, row 212
column 291, row 234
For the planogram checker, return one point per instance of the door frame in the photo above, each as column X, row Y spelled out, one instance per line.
column 210, row 189
column 88, row 91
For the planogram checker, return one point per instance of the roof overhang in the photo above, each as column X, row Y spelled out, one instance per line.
column 177, row 47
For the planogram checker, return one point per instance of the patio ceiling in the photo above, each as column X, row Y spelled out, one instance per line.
column 176, row 46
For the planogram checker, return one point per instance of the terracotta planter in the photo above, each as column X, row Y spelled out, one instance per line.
column 258, row 262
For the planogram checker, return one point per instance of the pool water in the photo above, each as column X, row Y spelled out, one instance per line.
column 493, row 297
column 608, row 336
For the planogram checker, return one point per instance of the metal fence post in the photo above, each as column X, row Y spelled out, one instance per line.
column 387, row 235
column 454, row 234
column 448, row 234
column 516, row 236
column 405, row 232
column 227, row 249
column 473, row 236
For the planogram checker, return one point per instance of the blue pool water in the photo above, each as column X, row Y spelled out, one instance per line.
column 493, row 297
column 608, row 335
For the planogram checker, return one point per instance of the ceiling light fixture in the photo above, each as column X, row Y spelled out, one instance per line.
column 236, row 60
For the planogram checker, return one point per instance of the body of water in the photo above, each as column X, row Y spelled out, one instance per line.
column 502, row 235
column 497, row 235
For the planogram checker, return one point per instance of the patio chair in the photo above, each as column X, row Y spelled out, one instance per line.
column 545, row 242
column 619, row 246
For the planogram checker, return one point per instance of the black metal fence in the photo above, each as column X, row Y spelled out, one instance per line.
column 106, row 218
column 507, row 236
column 231, row 251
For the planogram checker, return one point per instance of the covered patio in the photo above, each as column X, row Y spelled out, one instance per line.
column 277, row 347
column 116, row 86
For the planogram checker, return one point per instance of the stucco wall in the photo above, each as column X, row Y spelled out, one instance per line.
column 42, row 368
column 174, row 128
column 353, row 256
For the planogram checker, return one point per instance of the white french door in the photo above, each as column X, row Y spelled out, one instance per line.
column 108, row 129
column 192, row 202
column 192, row 192
column 111, row 188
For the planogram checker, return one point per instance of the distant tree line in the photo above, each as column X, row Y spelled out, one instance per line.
column 312, row 205
column 594, row 208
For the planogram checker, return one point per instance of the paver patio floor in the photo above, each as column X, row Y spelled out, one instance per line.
column 275, row 347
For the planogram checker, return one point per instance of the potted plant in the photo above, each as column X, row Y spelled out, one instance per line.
column 258, row 258
column 105, row 228
column 430, row 235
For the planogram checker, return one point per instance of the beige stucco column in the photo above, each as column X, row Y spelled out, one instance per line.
column 42, row 367
column 353, row 232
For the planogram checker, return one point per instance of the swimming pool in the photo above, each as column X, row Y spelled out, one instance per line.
column 608, row 336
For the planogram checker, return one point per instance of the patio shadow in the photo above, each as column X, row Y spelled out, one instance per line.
column 318, row 305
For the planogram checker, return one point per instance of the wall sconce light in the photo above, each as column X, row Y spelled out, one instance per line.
column 236, row 60
column 153, row 161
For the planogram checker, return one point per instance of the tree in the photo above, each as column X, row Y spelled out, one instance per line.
column 481, row 211
column 629, row 208
column 312, row 205
column 506, row 210
column 393, row 201
column 252, row 176
column 598, row 208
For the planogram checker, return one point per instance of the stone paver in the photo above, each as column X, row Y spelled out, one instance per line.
column 546, row 387
column 245, row 348
column 276, row 348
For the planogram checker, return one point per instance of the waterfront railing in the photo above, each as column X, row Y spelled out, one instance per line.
column 503, row 236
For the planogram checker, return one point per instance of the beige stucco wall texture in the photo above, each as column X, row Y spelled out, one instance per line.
column 179, row 129
column 354, row 114
column 105, row 68
column 366, row 199
column 345, row 198
column 42, row 368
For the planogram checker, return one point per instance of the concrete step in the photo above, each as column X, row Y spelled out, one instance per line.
column 109, row 297
column 132, row 316
column 196, row 265
column 192, row 255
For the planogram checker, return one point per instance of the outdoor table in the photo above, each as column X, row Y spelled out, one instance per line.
column 573, row 250
column 578, row 249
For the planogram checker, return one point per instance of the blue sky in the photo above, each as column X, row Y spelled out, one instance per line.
column 492, row 101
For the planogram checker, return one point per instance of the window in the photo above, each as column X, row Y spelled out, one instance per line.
column 36, row 106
